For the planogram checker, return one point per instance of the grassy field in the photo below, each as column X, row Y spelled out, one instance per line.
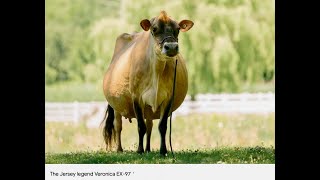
column 236, row 155
column 67, row 92
column 72, row 91
column 211, row 138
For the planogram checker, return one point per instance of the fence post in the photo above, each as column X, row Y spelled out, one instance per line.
column 75, row 111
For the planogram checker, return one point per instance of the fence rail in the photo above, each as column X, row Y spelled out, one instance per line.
column 93, row 112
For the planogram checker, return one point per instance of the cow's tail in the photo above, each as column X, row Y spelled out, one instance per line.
column 108, row 128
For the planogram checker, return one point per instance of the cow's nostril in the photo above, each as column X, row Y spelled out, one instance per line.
column 166, row 47
column 177, row 48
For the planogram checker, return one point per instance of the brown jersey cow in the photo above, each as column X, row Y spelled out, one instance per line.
column 139, row 81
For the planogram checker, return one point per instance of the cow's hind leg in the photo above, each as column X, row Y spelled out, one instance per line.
column 149, row 124
column 118, row 129
column 141, row 125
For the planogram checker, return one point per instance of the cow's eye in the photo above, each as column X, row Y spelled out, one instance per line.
column 154, row 29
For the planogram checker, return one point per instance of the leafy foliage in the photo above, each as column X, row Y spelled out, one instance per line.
column 230, row 45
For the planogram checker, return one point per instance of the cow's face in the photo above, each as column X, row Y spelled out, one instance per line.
column 165, row 32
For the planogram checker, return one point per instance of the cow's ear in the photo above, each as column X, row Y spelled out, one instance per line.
column 145, row 24
column 185, row 25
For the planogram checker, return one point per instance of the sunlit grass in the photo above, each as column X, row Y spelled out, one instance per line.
column 83, row 92
column 191, row 132
column 73, row 91
column 205, row 138
column 235, row 155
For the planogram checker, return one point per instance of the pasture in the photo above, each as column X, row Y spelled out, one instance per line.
column 86, row 92
column 198, row 138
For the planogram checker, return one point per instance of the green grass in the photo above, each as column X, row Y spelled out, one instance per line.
column 72, row 91
column 198, row 131
column 259, row 87
column 235, row 155
column 198, row 138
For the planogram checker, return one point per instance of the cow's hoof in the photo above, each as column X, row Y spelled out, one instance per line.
column 163, row 151
column 148, row 148
column 140, row 151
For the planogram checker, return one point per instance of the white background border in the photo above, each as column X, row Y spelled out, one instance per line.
column 164, row 171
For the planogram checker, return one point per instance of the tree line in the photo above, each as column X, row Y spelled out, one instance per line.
column 231, row 44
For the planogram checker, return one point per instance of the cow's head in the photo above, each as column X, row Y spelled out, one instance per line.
column 165, row 32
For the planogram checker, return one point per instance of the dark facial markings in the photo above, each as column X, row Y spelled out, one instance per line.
column 161, row 31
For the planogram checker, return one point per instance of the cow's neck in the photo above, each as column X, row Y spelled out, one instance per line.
column 158, row 61
column 161, row 66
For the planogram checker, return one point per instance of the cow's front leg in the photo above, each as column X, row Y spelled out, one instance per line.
column 141, row 125
column 163, row 129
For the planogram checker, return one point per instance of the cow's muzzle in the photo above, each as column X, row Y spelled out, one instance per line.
column 170, row 46
column 170, row 49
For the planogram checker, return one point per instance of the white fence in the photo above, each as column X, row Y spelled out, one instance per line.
column 93, row 112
